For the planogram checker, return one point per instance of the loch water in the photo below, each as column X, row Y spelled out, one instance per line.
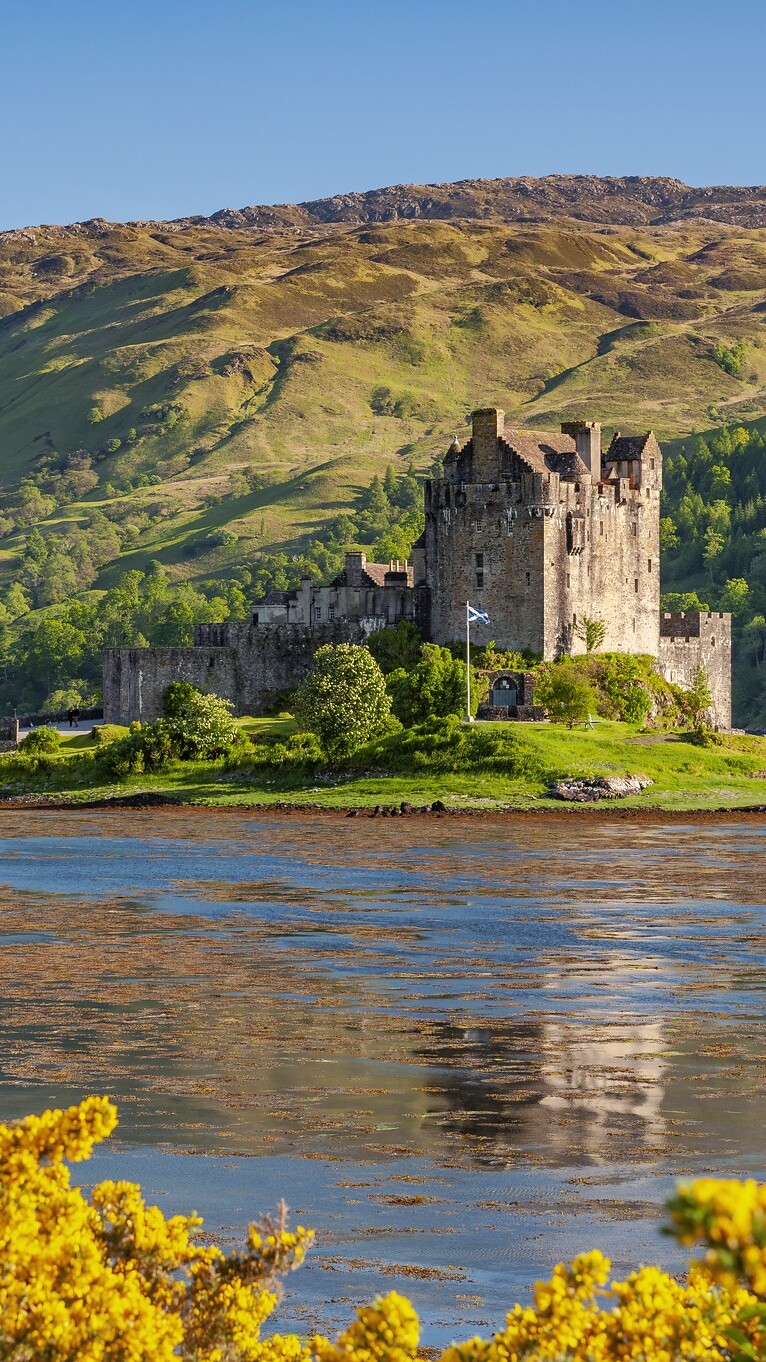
column 461, row 1049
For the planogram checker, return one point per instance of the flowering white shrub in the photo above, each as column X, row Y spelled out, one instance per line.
column 344, row 698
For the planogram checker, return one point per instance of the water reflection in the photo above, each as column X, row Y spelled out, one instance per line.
column 499, row 1017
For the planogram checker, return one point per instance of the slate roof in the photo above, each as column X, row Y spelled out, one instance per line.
column 545, row 451
column 374, row 574
column 279, row 598
column 626, row 446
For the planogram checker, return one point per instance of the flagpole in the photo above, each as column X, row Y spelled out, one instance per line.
column 468, row 658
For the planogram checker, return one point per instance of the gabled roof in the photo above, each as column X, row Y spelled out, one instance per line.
column 374, row 574
column 627, row 446
column 279, row 598
column 545, row 451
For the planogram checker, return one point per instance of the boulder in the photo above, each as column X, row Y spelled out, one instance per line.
column 589, row 789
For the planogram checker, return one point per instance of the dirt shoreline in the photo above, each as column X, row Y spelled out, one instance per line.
column 602, row 811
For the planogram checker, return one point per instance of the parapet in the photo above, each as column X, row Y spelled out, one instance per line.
column 694, row 623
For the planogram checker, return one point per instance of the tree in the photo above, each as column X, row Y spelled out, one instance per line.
column 343, row 699
column 699, row 697
column 735, row 596
column 591, row 632
column 668, row 534
column 714, row 547
column 566, row 695
column 435, row 688
column 396, row 648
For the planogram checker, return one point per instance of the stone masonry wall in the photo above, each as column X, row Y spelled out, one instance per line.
column 690, row 640
column 549, row 553
column 251, row 665
column 135, row 678
column 602, row 561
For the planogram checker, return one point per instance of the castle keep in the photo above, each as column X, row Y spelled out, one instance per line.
column 542, row 530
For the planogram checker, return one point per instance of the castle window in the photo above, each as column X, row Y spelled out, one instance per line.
column 601, row 527
column 651, row 464
column 648, row 491
column 477, row 525
column 317, row 613
column 568, row 581
column 635, row 584
column 712, row 643
column 255, row 617
column 479, row 579
column 649, row 564
column 529, row 580
column 634, row 529
column 479, row 559
column 331, row 612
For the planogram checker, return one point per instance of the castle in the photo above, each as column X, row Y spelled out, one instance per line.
column 542, row 530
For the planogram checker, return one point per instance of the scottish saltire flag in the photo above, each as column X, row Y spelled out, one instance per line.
column 474, row 614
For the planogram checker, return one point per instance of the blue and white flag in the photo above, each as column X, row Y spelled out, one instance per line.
column 474, row 614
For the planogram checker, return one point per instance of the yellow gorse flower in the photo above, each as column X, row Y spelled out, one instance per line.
column 111, row 1279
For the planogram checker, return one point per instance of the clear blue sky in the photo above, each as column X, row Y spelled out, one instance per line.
column 159, row 108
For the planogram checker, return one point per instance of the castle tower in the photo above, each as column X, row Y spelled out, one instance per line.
column 542, row 530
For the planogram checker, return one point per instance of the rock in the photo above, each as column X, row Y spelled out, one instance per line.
column 589, row 789
column 438, row 807
column 353, row 813
column 406, row 807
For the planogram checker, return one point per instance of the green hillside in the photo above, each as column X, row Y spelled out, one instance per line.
column 198, row 394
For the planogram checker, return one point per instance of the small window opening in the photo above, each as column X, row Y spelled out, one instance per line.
column 331, row 612
column 635, row 585
column 649, row 564
column 317, row 613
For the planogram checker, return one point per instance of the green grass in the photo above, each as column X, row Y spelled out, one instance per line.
column 686, row 776
column 272, row 345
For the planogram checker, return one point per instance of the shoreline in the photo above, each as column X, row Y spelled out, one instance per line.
column 601, row 810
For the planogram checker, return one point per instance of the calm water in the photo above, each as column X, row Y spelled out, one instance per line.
column 462, row 1051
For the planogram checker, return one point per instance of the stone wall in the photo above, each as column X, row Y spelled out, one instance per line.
column 539, row 551
column 251, row 665
column 135, row 678
column 690, row 640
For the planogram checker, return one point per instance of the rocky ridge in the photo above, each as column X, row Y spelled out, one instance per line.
column 627, row 200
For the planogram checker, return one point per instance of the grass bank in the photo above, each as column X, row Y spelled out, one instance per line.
column 487, row 766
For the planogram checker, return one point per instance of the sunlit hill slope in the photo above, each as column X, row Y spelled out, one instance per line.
column 310, row 346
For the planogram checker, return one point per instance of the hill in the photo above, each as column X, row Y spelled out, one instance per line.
column 199, row 392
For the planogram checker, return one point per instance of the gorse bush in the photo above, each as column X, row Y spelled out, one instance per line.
column 107, row 1278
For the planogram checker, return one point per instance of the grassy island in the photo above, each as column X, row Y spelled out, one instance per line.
column 492, row 766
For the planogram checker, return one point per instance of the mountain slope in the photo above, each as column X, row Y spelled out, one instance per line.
column 309, row 354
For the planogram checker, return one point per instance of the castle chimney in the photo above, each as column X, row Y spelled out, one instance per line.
column 488, row 425
column 587, row 437
column 354, row 568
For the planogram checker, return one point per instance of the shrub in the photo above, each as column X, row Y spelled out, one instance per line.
column 145, row 747
column 200, row 725
column 435, row 687
column 398, row 647
column 44, row 739
column 565, row 693
column 447, row 745
column 101, row 734
column 343, row 698
column 156, row 1293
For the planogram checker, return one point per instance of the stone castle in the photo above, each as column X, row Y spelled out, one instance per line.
column 542, row 530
